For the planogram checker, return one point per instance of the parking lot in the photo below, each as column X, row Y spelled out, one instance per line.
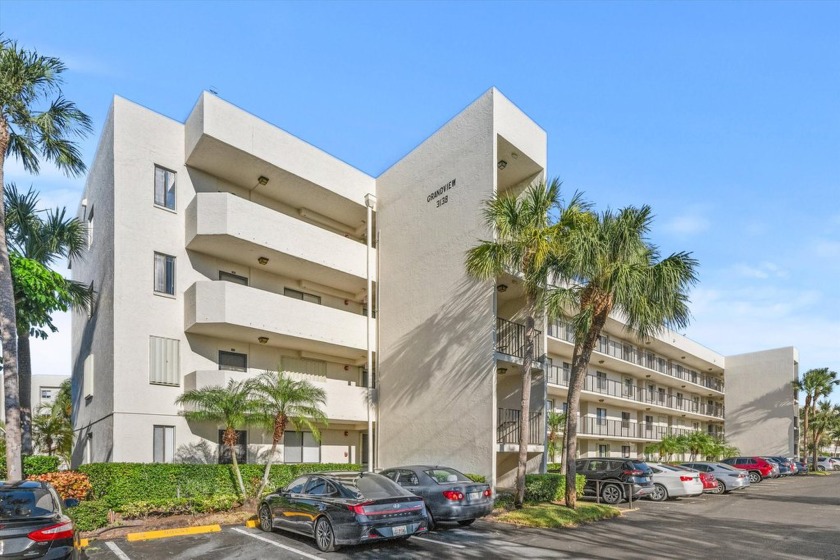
column 796, row 517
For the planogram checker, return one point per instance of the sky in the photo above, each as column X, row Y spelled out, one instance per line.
column 724, row 117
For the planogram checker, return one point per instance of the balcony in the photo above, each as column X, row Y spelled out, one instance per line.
column 628, row 353
column 345, row 402
column 228, row 226
column 622, row 429
column 510, row 339
column 228, row 310
column 507, row 431
column 630, row 392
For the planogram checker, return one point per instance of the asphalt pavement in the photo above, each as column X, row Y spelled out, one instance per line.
column 791, row 518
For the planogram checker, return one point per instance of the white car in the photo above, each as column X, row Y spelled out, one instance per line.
column 825, row 463
column 673, row 482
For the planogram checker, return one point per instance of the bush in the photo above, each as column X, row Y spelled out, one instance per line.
column 555, row 468
column 177, row 506
column 476, row 477
column 122, row 483
column 549, row 487
column 89, row 515
column 68, row 484
column 39, row 464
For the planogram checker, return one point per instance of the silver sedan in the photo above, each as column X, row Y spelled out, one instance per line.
column 728, row 478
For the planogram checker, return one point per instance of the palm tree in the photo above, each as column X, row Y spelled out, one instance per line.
column 524, row 235
column 52, row 434
column 232, row 406
column 43, row 240
column 816, row 383
column 825, row 419
column 666, row 447
column 609, row 265
column 280, row 400
column 556, row 430
column 35, row 121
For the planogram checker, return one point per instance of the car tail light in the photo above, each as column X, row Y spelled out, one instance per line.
column 488, row 493
column 453, row 495
column 359, row 509
column 53, row 532
column 634, row 472
column 687, row 478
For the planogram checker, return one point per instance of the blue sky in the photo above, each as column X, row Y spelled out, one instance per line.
column 724, row 117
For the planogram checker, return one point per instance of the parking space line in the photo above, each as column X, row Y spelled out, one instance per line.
column 116, row 550
column 424, row 539
column 274, row 543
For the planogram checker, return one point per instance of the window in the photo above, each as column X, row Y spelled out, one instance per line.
column 90, row 227
column 662, row 395
column 603, row 450
column 288, row 292
column 625, row 419
column 601, row 416
column 87, row 383
column 301, row 447
column 164, row 188
column 648, row 423
column 233, row 361
column 695, row 425
column 241, row 448
column 48, row 394
column 625, row 451
column 302, row 365
column 297, row 485
column 164, row 274
column 679, row 400
column 163, row 443
column 164, row 361
column 628, row 387
column 602, row 380
column 231, row 277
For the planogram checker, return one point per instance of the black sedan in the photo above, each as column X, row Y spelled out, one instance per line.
column 344, row 508
column 449, row 494
column 32, row 524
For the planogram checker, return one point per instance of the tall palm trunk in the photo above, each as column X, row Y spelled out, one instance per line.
column 25, row 380
column 805, row 427
column 276, row 438
column 230, row 441
column 525, row 405
column 11, row 393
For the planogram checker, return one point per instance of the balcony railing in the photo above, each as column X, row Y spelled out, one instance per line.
column 510, row 339
column 508, row 428
column 626, row 429
column 593, row 384
column 628, row 353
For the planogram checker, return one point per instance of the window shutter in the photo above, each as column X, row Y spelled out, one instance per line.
column 164, row 361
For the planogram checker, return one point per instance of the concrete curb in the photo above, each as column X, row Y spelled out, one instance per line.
column 179, row 532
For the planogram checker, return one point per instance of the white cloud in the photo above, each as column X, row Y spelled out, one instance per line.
column 688, row 224
column 762, row 271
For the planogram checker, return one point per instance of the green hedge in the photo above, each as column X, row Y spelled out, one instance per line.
column 89, row 515
column 122, row 483
column 549, row 487
column 32, row 464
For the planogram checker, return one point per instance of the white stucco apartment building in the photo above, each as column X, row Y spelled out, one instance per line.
column 223, row 246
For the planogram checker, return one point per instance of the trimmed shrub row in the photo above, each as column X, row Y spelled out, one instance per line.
column 122, row 483
column 32, row 465
column 550, row 487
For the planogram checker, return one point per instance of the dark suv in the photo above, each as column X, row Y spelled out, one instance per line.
column 605, row 476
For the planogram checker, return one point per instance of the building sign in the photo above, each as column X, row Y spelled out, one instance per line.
column 440, row 196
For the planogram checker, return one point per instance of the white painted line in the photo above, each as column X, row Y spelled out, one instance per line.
column 116, row 550
column 424, row 539
column 274, row 543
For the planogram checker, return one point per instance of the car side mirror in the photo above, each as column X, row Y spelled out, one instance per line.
column 71, row 502
column 283, row 492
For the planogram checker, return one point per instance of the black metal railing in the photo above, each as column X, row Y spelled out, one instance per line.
column 508, row 428
column 510, row 339
column 557, row 375
column 625, row 351
column 628, row 429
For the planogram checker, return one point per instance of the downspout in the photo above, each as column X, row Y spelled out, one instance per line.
column 370, row 202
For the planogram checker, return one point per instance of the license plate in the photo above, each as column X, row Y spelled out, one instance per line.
column 474, row 495
column 398, row 530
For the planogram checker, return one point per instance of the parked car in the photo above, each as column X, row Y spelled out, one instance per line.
column 449, row 494
column 344, row 508
column 783, row 464
column 825, row 463
column 32, row 523
column 757, row 468
column 801, row 468
column 673, row 482
column 727, row 478
column 615, row 479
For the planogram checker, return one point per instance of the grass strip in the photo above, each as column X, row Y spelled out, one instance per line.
column 553, row 516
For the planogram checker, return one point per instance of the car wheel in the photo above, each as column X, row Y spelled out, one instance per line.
column 720, row 488
column 611, row 494
column 755, row 477
column 324, row 535
column 820, row 468
column 465, row 522
column 659, row 494
column 432, row 525
column 265, row 519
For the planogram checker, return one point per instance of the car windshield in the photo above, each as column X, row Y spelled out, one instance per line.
column 374, row 487
column 26, row 503
column 673, row 468
column 443, row 475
